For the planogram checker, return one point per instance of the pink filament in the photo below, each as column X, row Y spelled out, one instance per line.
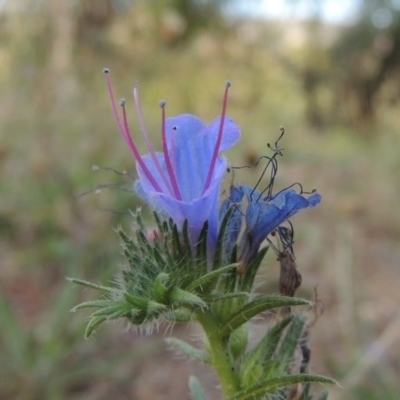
column 126, row 134
column 219, row 139
column 147, row 139
column 167, row 158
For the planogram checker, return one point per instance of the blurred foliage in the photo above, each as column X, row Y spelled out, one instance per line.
column 56, row 122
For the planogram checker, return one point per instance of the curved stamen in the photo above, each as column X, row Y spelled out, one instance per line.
column 126, row 133
column 147, row 139
column 219, row 139
column 166, row 155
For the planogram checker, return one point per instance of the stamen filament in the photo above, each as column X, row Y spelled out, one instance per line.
column 126, row 133
column 166, row 156
column 219, row 139
column 147, row 139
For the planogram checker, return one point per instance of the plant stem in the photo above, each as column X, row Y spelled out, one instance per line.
column 220, row 354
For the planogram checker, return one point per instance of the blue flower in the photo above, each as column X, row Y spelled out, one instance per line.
column 265, row 215
column 183, row 181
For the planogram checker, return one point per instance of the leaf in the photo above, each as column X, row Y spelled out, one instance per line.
column 202, row 249
column 255, row 307
column 221, row 238
column 135, row 301
column 196, row 390
column 249, row 276
column 262, row 352
column 289, row 343
column 110, row 310
column 93, row 304
column 186, row 298
column 93, row 325
column 269, row 386
column 179, row 315
column 225, row 296
column 210, row 276
column 189, row 350
column 93, row 285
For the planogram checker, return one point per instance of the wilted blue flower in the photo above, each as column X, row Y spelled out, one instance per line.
column 263, row 215
column 183, row 182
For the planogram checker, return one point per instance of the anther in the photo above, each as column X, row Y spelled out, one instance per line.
column 162, row 103
column 106, row 71
column 122, row 102
column 227, row 84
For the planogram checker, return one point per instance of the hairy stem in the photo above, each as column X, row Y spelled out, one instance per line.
column 220, row 354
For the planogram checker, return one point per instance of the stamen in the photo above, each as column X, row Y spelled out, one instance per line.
column 219, row 139
column 126, row 133
column 147, row 138
column 166, row 154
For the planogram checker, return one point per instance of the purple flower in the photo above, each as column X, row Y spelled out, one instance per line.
column 265, row 215
column 183, row 181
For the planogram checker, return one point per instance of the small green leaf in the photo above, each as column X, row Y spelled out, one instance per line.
column 202, row 249
column 189, row 350
column 256, row 307
column 221, row 238
column 154, row 308
column 225, row 296
column 160, row 289
column 269, row 386
column 179, row 315
column 196, row 390
column 93, row 285
column 210, row 276
column 110, row 310
column 138, row 302
column 251, row 272
column 289, row 344
column 93, row 325
column 186, row 298
column 118, row 314
column 252, row 365
column 94, row 304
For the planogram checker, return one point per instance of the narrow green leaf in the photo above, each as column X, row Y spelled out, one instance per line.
column 221, row 238
column 93, row 325
column 256, row 307
column 186, row 298
column 93, row 285
column 110, row 310
column 135, row 301
column 118, row 314
column 269, row 386
column 189, row 350
column 210, row 276
column 93, row 304
column 176, row 243
column 225, row 296
column 249, row 276
column 252, row 365
column 202, row 248
column 186, row 241
column 154, row 308
column 196, row 390
column 179, row 315
column 290, row 343
column 160, row 288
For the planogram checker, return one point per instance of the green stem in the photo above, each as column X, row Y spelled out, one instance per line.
column 220, row 354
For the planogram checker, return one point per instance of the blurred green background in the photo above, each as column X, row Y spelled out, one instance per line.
column 334, row 86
